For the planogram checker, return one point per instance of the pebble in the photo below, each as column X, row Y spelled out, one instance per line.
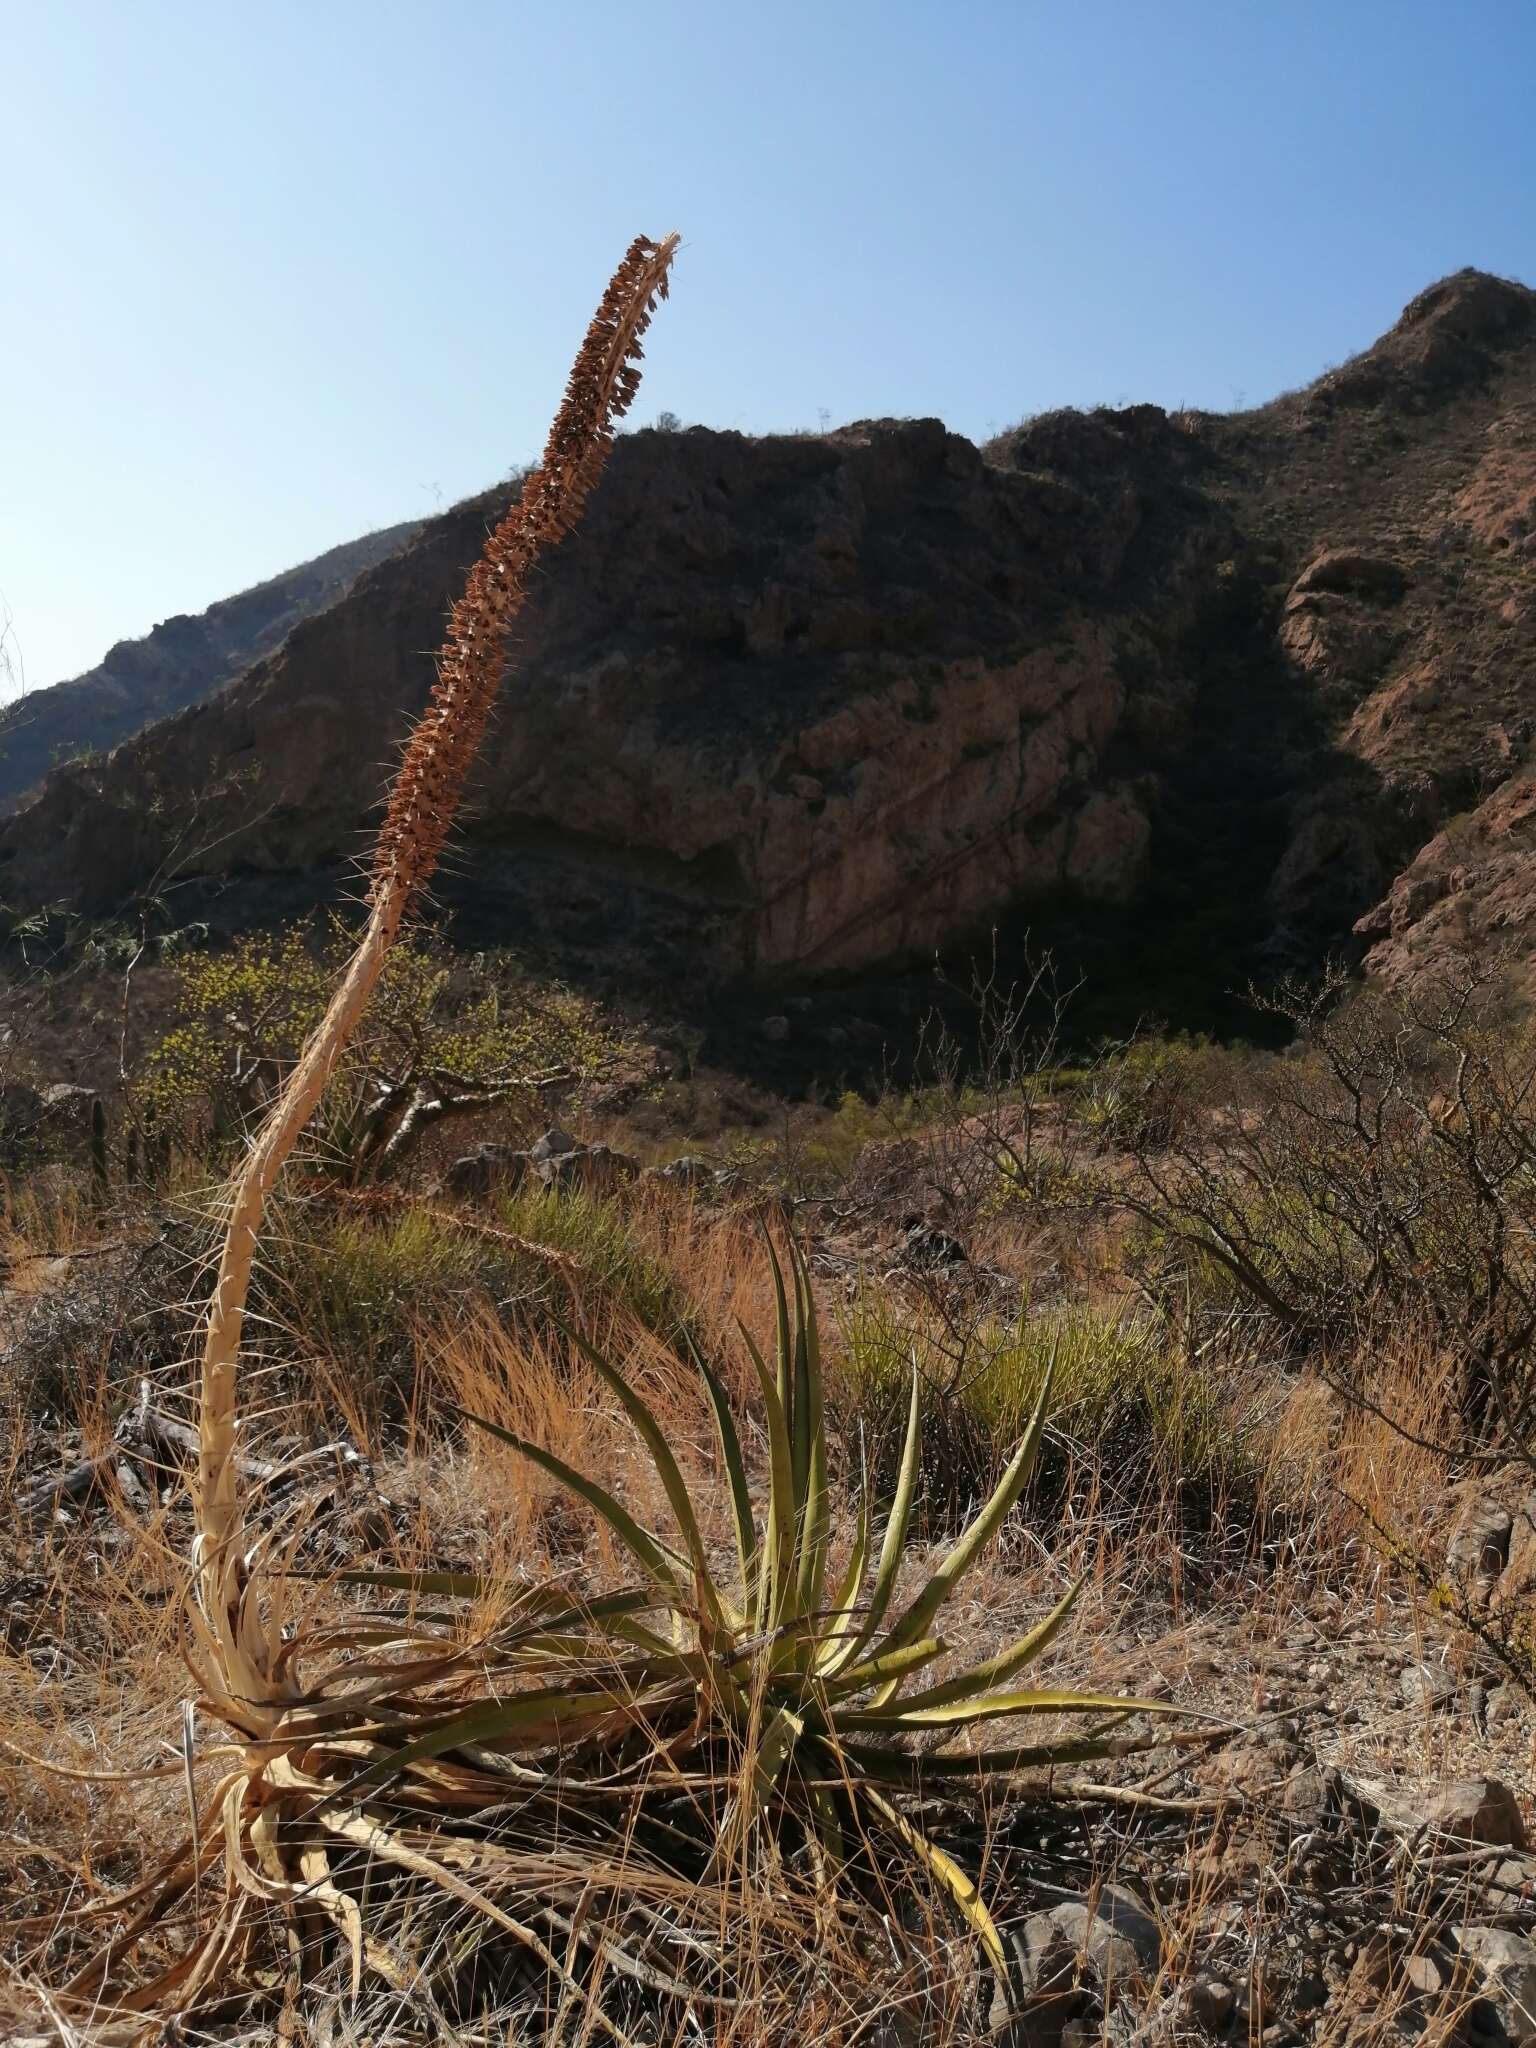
column 1211, row 2001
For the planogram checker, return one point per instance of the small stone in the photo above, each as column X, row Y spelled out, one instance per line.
column 1211, row 2001
column 1503, row 1705
column 1506, row 1968
column 1424, row 1975
column 1427, row 1686
column 1311, row 1793
column 1117, row 1934
column 774, row 1029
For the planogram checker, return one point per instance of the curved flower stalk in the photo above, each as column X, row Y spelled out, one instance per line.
column 240, row 1648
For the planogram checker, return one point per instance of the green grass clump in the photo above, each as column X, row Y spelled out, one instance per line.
column 1127, row 1404
column 618, row 1272
column 358, row 1285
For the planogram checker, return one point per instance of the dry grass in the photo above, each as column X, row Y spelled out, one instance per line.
column 1163, row 1603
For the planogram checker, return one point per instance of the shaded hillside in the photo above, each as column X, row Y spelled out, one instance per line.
column 181, row 661
column 1192, row 691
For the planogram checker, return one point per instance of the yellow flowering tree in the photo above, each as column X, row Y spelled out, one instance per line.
column 443, row 1035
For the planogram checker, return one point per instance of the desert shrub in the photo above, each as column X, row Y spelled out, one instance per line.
column 1134, row 1094
column 443, row 1036
column 1129, row 1405
column 359, row 1286
column 1384, row 1168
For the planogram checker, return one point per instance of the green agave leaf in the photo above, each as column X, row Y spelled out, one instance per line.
column 671, row 1478
column 784, row 1728
column 774, row 1586
column 784, row 1375
column 810, row 1441
column 890, row 1665
column 1003, row 1666
column 736, row 1473
column 548, row 1608
column 548, row 1715
column 959, row 1560
column 993, row 1706
column 660, row 1560
column 946, row 1872
column 838, row 1634
column 901, row 1766
column 828, row 1824
column 893, row 1544
column 439, row 1585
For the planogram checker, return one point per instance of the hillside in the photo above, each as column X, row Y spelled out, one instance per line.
column 1198, row 694
column 179, row 662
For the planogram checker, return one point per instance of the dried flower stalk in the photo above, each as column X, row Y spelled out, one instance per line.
column 241, row 1647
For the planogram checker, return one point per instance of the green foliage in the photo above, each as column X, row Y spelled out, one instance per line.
column 615, row 1267
column 442, row 1034
column 1134, row 1095
column 355, row 1286
column 1122, row 1385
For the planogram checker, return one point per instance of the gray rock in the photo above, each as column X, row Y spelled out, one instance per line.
column 1423, row 1973
column 1045, row 1991
column 774, row 1029
column 1505, row 1969
column 1426, row 1686
column 1504, row 1704
column 597, row 1169
column 689, row 1172
column 1476, row 1810
column 1311, row 1793
column 1117, row 1934
column 67, row 1101
column 553, row 1145
column 486, row 1169
column 1479, row 1550
column 1211, row 2001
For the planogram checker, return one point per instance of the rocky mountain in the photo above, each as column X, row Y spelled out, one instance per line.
column 181, row 661
column 1203, row 696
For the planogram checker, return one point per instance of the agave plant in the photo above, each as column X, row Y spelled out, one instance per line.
column 810, row 1686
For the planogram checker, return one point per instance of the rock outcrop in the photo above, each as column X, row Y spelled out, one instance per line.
column 1213, row 686
column 181, row 661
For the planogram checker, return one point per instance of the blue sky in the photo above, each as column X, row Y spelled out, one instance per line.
column 275, row 275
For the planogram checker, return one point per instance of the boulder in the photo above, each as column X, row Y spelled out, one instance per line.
column 595, row 1169
column 554, row 1144
column 1479, row 1549
column 691, row 1171
column 485, row 1170
column 1346, row 572
column 1476, row 1810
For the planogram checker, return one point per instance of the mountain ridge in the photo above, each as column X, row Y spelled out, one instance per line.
column 1207, row 685
column 179, row 661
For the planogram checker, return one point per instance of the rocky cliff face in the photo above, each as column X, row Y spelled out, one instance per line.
column 181, row 661
column 799, row 706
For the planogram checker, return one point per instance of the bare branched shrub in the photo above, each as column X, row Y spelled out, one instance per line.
column 1386, row 1167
